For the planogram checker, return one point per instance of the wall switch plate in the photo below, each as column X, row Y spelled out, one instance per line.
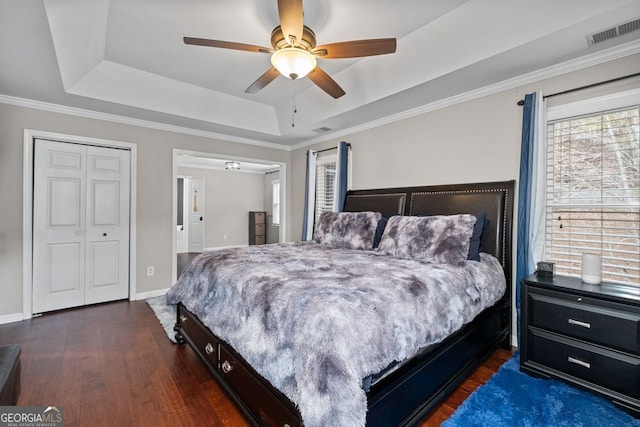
column 150, row 271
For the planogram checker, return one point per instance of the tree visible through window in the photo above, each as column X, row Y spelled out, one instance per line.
column 593, row 193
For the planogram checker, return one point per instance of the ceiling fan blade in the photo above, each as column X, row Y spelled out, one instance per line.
column 356, row 48
column 226, row 45
column 326, row 83
column 291, row 20
column 263, row 80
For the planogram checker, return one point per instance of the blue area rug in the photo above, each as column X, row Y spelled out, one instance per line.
column 511, row 398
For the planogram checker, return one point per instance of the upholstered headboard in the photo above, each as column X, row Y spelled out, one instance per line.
column 495, row 199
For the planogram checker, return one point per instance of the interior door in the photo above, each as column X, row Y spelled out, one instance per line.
column 196, row 215
column 81, row 225
column 59, row 216
column 107, row 231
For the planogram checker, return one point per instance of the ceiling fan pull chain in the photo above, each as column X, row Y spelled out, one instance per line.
column 295, row 108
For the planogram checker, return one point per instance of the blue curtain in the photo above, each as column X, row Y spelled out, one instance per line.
column 525, row 191
column 342, row 163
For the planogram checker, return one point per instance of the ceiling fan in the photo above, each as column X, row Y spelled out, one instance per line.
column 294, row 50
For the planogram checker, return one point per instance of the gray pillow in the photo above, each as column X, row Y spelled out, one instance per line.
column 440, row 239
column 351, row 230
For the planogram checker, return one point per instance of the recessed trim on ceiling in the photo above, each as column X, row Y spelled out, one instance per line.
column 595, row 58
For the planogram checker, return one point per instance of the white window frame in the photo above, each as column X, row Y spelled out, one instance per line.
column 593, row 106
column 275, row 203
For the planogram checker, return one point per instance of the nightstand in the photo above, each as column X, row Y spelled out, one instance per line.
column 586, row 335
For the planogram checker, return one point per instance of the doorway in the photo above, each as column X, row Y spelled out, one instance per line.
column 227, row 208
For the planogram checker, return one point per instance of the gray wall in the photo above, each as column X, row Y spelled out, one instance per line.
column 477, row 140
column 154, row 195
column 228, row 198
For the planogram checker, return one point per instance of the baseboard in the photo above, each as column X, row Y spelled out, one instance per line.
column 150, row 294
column 10, row 318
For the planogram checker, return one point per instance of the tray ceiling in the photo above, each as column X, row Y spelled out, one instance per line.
column 127, row 58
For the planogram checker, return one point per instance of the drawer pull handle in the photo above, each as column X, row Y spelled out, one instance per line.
column 208, row 348
column 579, row 323
column 226, row 367
column 579, row 362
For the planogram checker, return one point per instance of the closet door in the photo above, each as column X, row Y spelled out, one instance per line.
column 80, row 225
column 107, row 231
column 58, row 225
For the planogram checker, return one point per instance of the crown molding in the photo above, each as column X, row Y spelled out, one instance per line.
column 621, row 51
column 79, row 112
column 596, row 58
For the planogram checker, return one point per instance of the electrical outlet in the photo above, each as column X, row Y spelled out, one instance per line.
column 150, row 271
column 224, row 237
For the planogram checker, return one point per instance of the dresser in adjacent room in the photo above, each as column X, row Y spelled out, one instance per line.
column 257, row 228
column 586, row 335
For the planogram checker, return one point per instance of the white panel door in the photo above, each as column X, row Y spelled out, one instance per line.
column 81, row 225
column 58, row 226
column 107, row 232
column 196, row 214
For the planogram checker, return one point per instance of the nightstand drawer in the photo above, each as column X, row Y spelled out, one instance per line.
column 259, row 229
column 612, row 325
column 593, row 364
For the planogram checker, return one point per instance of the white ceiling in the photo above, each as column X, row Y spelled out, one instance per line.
column 127, row 58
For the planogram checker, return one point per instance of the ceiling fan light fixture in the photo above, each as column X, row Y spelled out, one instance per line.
column 233, row 166
column 293, row 63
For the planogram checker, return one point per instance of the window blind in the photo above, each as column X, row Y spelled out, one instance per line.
column 325, row 185
column 593, row 193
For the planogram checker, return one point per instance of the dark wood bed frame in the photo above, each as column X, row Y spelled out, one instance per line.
column 407, row 393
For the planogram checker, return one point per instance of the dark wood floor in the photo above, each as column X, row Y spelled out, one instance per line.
column 112, row 365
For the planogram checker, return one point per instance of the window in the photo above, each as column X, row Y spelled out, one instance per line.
column 593, row 192
column 325, row 185
column 275, row 202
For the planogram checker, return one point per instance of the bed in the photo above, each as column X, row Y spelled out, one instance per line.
column 278, row 340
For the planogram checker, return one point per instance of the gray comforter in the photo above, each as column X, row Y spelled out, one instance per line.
column 315, row 320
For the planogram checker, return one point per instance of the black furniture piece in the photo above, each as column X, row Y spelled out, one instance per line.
column 416, row 386
column 9, row 374
column 257, row 228
column 586, row 335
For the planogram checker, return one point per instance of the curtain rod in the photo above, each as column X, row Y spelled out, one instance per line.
column 521, row 102
column 332, row 148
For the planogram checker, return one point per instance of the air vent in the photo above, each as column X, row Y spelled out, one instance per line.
column 323, row 129
column 613, row 32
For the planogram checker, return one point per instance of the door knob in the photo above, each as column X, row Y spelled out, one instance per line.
column 200, row 218
column 104, row 234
